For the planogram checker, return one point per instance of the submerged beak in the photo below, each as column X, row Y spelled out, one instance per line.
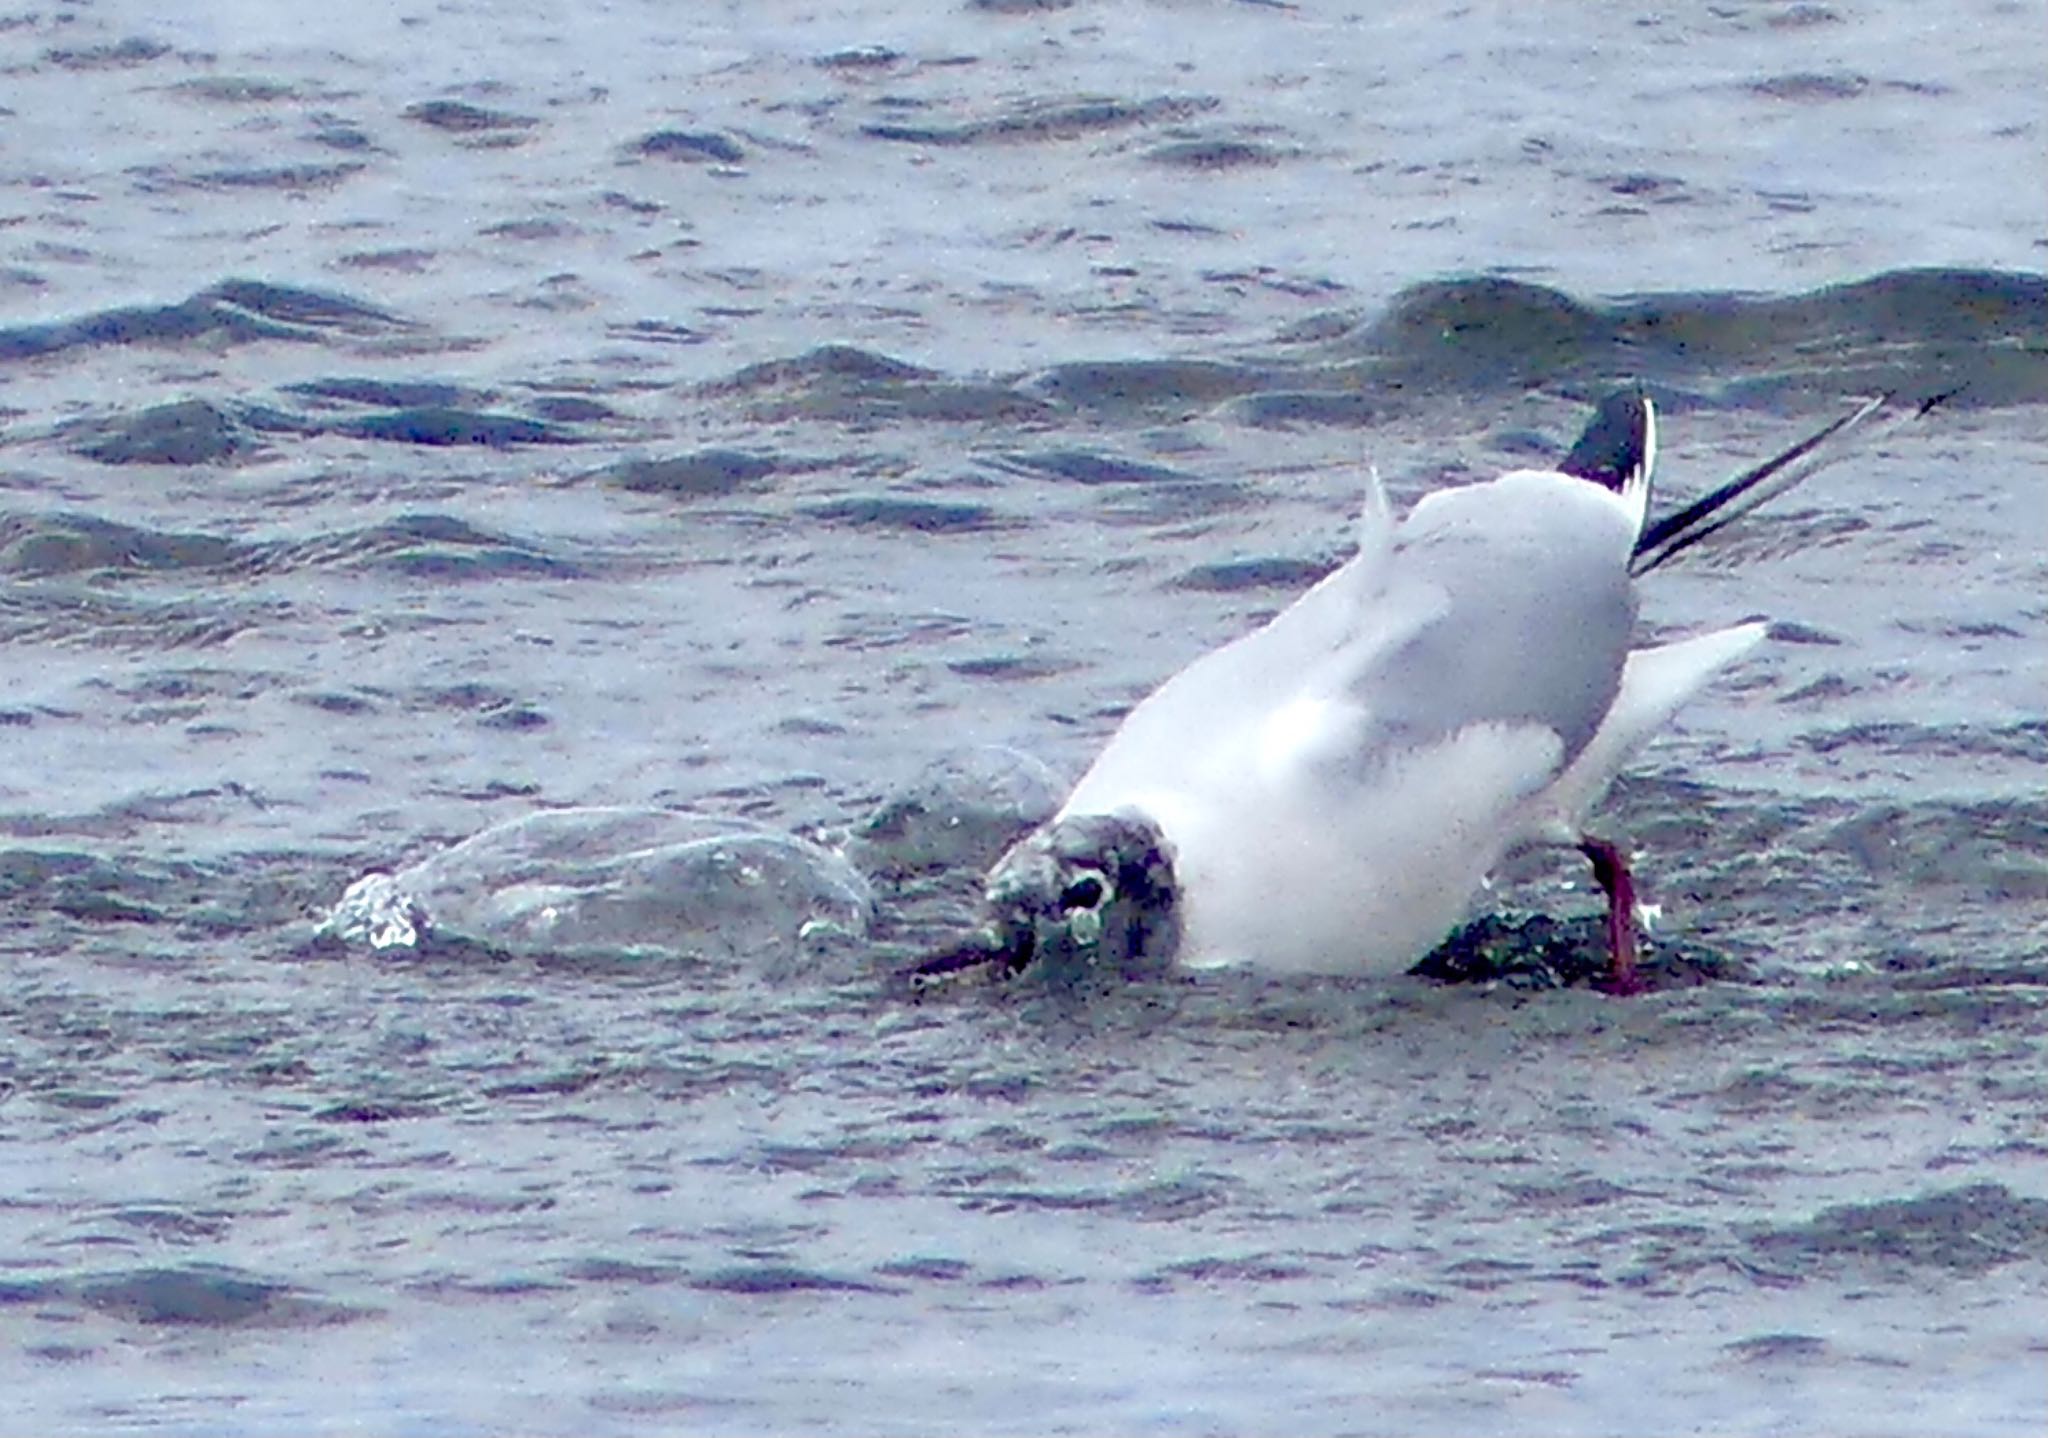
column 1004, row 950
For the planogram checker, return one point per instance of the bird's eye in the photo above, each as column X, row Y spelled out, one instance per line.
column 1083, row 893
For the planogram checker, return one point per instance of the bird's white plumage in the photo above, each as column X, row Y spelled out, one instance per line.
column 1335, row 786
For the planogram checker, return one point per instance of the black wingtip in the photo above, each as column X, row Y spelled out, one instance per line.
column 1619, row 443
column 1675, row 533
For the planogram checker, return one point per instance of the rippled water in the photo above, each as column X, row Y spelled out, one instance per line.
column 418, row 419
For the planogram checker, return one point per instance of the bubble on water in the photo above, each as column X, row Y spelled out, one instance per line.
column 615, row 882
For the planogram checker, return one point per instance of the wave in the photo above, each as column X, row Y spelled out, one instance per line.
column 61, row 543
column 235, row 311
column 1979, row 335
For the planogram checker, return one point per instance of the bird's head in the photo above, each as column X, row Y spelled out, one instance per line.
column 1087, row 892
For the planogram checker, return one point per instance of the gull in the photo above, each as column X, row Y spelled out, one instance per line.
column 1327, row 793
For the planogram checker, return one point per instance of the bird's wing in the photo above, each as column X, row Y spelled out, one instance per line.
column 1866, row 424
column 1217, row 714
column 1521, row 590
column 1503, row 606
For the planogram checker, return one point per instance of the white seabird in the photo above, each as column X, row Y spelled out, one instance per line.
column 1328, row 792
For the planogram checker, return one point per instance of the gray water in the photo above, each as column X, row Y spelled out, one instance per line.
column 418, row 418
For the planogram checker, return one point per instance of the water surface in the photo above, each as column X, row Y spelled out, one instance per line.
column 416, row 419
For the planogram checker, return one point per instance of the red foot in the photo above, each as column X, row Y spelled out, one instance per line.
column 1610, row 867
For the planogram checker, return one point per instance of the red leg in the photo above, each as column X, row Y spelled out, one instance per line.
column 1610, row 867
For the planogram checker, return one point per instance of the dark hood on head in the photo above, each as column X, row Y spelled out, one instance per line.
column 1089, row 892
